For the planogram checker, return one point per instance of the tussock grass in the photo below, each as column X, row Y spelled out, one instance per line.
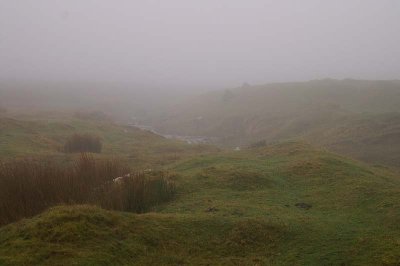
column 28, row 187
column 138, row 192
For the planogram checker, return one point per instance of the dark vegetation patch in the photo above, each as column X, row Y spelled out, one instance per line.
column 28, row 187
column 78, row 143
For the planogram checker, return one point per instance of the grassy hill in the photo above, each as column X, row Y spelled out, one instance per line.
column 45, row 136
column 352, row 117
column 285, row 204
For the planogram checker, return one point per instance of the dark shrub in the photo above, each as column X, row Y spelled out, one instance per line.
column 83, row 143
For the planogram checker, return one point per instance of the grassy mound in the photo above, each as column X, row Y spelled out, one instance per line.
column 334, row 207
column 85, row 235
column 236, row 179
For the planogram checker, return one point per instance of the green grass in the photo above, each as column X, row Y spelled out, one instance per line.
column 355, row 208
column 46, row 137
column 231, row 208
column 355, row 118
column 85, row 235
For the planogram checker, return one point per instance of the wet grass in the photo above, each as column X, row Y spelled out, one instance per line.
column 229, row 208
column 46, row 137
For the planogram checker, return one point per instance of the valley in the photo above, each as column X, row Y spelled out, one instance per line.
column 280, row 204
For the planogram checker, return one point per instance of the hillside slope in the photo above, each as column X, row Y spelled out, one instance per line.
column 286, row 204
column 46, row 136
column 356, row 118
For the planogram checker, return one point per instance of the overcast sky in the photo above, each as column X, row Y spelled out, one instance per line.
column 199, row 43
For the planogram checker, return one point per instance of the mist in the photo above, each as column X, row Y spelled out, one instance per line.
column 182, row 132
column 198, row 44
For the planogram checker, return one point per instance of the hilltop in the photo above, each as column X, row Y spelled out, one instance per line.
column 353, row 117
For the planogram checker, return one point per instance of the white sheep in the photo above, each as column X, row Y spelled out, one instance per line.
column 120, row 179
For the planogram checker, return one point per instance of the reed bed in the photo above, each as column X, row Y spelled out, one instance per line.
column 27, row 187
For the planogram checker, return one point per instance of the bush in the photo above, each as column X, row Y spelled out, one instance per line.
column 28, row 187
column 83, row 143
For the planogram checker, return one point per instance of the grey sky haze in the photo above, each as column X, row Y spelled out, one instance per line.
column 199, row 43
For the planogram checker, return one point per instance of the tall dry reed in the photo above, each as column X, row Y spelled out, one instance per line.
column 28, row 187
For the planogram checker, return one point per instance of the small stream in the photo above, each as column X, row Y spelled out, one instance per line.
column 187, row 139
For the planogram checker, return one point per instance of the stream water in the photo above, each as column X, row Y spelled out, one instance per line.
column 187, row 139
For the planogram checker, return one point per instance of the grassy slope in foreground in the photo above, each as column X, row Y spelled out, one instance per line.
column 232, row 208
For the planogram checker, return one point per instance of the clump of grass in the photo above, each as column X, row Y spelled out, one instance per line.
column 138, row 192
column 83, row 143
column 28, row 187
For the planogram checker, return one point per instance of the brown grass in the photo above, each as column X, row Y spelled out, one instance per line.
column 139, row 192
column 28, row 187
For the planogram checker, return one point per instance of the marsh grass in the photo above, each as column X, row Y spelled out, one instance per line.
column 27, row 187
column 139, row 192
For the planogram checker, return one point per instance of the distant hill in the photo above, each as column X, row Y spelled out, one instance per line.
column 121, row 100
column 355, row 117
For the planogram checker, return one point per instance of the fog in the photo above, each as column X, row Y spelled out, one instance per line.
column 194, row 44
